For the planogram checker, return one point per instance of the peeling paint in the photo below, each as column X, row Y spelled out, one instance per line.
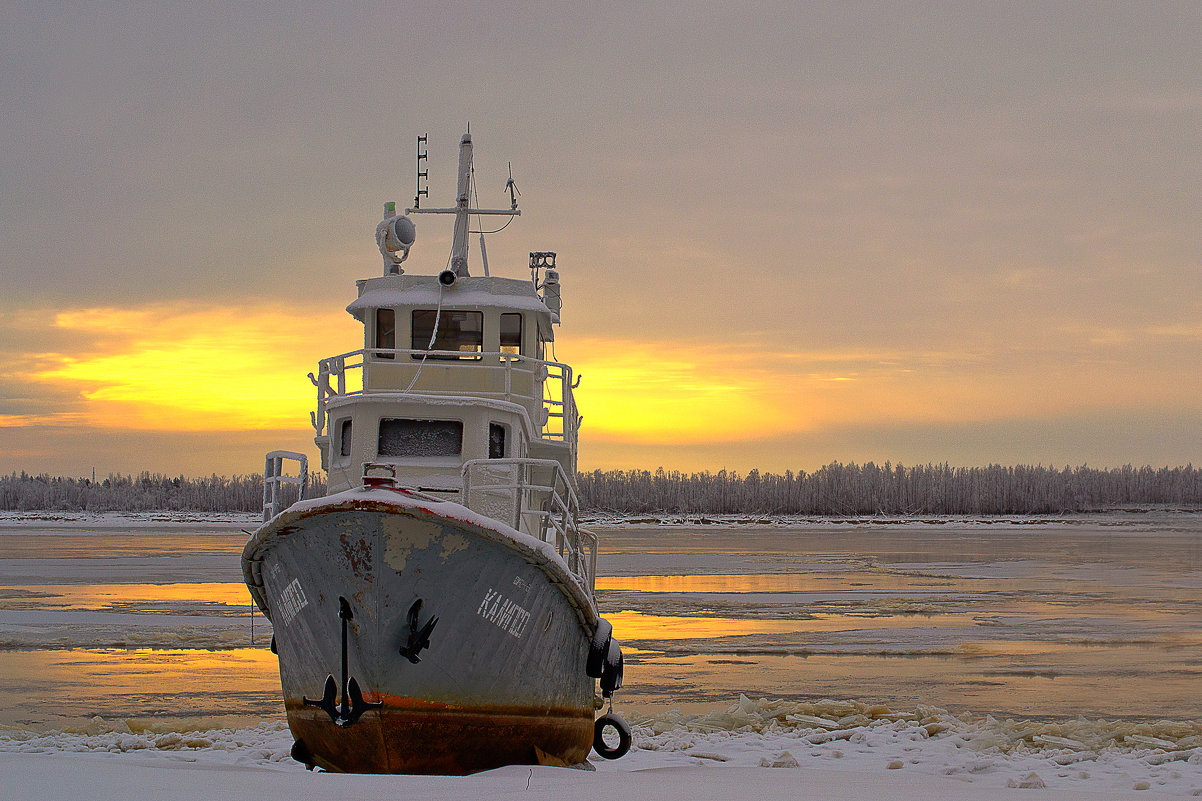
column 403, row 536
column 452, row 543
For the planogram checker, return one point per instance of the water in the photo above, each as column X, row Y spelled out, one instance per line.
column 1099, row 616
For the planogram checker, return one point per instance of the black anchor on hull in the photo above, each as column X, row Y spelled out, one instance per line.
column 352, row 706
column 419, row 636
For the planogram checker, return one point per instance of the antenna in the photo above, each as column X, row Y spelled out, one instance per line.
column 543, row 259
column 422, row 191
column 512, row 188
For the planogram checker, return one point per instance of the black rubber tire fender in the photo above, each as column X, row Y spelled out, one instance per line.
column 598, row 649
column 624, row 738
column 611, row 673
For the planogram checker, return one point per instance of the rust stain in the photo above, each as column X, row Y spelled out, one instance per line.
column 357, row 552
column 413, row 736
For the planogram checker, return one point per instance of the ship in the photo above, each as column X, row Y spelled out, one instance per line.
column 434, row 612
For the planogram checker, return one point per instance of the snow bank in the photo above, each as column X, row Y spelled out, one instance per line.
column 130, row 520
column 1094, row 755
column 601, row 519
column 768, row 748
column 263, row 745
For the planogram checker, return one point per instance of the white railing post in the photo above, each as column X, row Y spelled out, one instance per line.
column 273, row 477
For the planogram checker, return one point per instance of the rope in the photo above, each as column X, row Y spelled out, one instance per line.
column 430, row 344
column 497, row 231
column 476, row 195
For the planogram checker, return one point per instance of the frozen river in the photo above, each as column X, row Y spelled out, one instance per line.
column 1097, row 616
column 1094, row 616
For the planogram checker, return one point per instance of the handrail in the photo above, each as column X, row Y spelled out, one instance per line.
column 273, row 477
column 555, row 379
column 517, row 492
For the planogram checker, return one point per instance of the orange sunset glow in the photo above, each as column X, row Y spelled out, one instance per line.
column 191, row 371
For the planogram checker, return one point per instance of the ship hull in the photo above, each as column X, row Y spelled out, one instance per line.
column 502, row 678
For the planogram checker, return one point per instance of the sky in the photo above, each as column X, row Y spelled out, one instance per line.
column 789, row 234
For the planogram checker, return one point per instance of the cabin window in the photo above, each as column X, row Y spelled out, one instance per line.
column 461, row 331
column 420, row 437
column 496, row 441
column 344, row 438
column 385, row 331
column 511, row 333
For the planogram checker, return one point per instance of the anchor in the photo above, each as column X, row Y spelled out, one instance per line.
column 352, row 706
column 419, row 637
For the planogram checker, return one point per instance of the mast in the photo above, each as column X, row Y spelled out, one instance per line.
column 459, row 242
column 463, row 209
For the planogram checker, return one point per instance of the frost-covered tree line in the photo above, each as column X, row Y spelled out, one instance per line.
column 851, row 489
column 836, row 489
column 144, row 492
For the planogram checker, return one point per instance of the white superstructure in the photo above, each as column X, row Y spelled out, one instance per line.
column 454, row 391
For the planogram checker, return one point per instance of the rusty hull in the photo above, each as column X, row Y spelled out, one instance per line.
column 403, row 739
column 503, row 677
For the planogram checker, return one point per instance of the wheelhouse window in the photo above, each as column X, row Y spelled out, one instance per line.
column 385, row 331
column 511, row 333
column 421, row 438
column 496, row 441
column 344, row 438
column 461, row 331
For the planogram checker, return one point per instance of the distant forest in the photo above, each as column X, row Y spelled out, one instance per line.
column 836, row 489
column 851, row 489
column 145, row 492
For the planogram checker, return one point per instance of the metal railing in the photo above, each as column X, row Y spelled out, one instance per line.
column 535, row 497
column 504, row 374
column 274, row 478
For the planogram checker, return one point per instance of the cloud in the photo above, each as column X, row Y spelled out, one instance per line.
column 73, row 450
column 165, row 368
column 690, row 393
column 1105, row 438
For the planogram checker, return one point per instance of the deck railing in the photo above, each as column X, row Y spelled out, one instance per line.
column 544, row 384
column 535, row 497
column 274, row 479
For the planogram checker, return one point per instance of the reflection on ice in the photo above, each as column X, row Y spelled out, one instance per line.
column 642, row 627
column 158, row 689
column 179, row 597
column 1095, row 616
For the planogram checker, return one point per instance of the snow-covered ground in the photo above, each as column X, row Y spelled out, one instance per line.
column 759, row 749
column 48, row 519
column 1156, row 516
